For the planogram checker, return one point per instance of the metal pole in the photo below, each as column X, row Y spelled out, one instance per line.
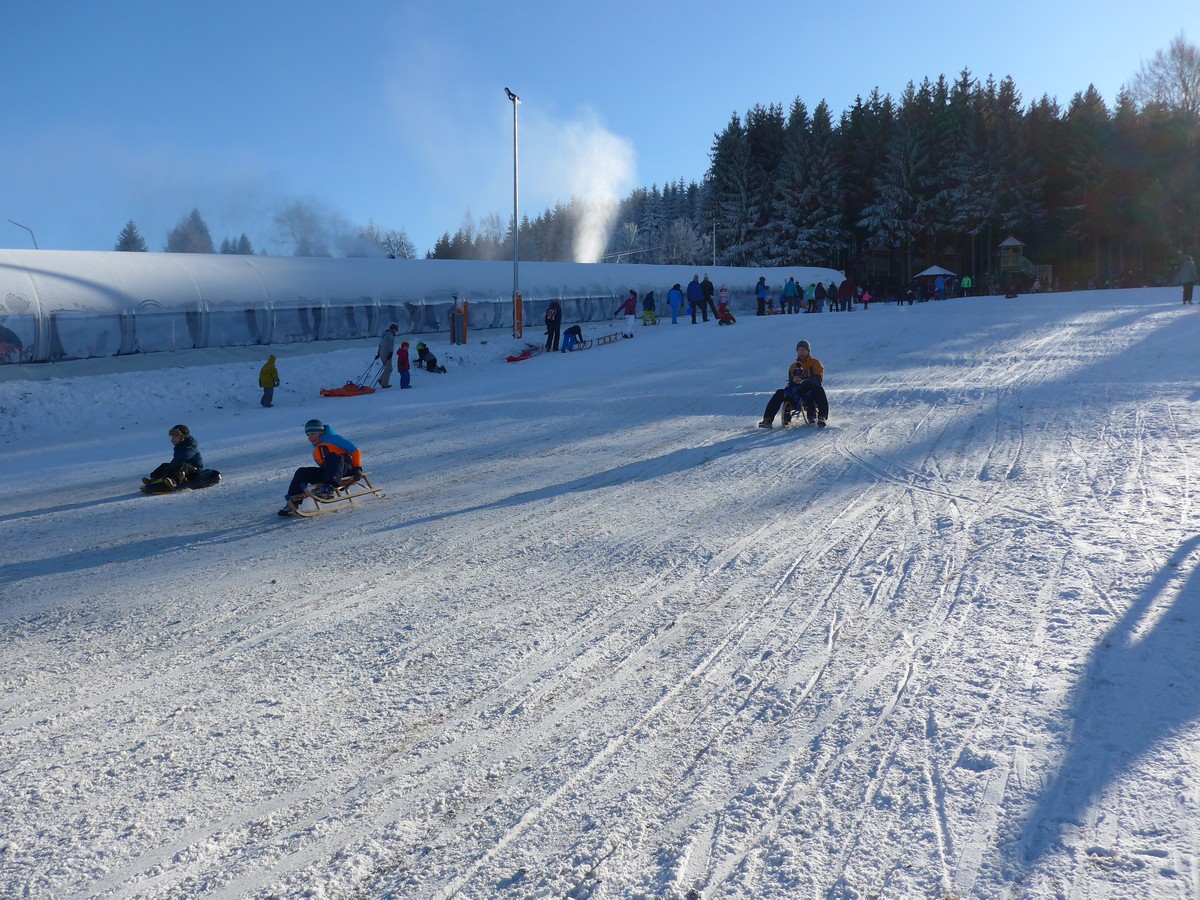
column 30, row 230
column 516, row 221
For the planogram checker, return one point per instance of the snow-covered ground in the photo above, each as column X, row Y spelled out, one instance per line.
column 605, row 638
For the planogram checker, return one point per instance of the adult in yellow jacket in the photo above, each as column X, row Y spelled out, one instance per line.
column 805, row 389
column 268, row 380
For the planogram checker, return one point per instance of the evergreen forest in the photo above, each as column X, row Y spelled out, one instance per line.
column 941, row 175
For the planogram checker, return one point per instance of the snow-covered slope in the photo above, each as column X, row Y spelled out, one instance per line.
column 604, row 637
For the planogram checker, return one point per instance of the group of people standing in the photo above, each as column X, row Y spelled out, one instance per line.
column 814, row 298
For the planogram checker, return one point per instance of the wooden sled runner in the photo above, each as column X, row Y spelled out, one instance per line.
column 350, row 490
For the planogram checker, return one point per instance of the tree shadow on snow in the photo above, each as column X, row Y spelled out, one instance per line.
column 642, row 470
column 1138, row 689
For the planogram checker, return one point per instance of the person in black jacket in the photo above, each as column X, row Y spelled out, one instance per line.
column 553, row 324
column 184, row 464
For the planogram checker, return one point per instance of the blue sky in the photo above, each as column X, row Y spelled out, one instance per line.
column 395, row 112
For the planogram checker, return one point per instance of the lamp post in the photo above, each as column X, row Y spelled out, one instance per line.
column 517, row 316
column 30, row 230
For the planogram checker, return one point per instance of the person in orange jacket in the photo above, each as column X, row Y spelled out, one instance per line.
column 336, row 458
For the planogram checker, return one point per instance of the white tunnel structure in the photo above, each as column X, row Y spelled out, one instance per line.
column 64, row 304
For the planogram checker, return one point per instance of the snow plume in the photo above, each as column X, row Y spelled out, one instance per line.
column 594, row 167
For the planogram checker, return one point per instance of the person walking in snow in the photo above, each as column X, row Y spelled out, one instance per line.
column 403, row 366
column 553, row 324
column 185, row 461
column 629, row 307
column 805, row 390
column 387, row 345
column 706, row 292
column 675, row 301
column 335, row 459
column 1187, row 277
column 649, row 316
column 268, row 380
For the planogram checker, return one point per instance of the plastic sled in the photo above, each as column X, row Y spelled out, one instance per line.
column 204, row 478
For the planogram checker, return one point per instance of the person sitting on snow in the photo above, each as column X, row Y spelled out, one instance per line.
column 571, row 337
column 336, row 459
column 724, row 316
column 185, row 461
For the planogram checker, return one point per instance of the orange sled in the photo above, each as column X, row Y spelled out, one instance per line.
column 349, row 390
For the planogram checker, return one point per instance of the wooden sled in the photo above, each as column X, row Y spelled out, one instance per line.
column 348, row 390
column 609, row 338
column 348, row 491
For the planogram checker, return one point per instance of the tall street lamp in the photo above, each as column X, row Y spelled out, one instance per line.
column 30, row 230
column 516, row 223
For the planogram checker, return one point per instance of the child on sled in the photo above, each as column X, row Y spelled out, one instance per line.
column 724, row 316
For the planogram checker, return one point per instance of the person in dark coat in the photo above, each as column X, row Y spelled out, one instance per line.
column 1187, row 277
column 649, row 316
column 695, row 298
column 706, row 290
column 553, row 324
column 185, row 462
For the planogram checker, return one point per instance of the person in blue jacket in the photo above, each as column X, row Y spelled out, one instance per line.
column 335, row 458
column 760, row 296
column 675, row 301
column 185, row 462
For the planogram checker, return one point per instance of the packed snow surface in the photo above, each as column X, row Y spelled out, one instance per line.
column 605, row 638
